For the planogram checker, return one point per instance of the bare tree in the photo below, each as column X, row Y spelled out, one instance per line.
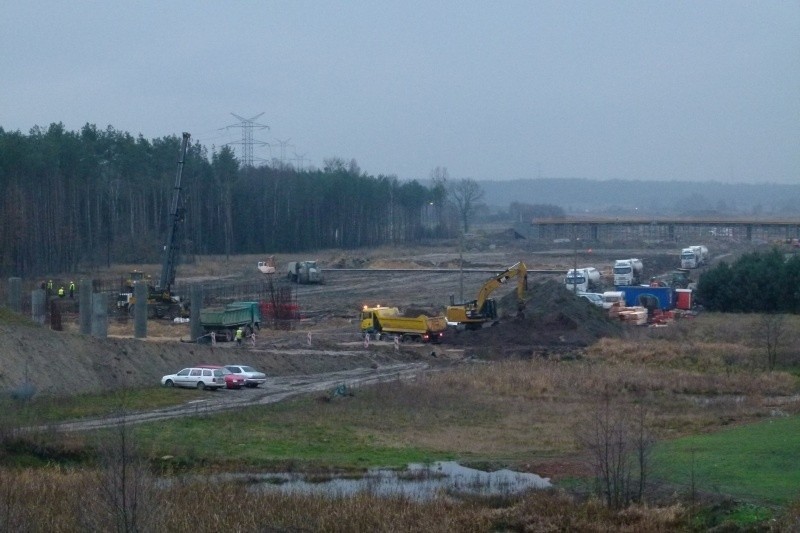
column 438, row 197
column 465, row 195
column 334, row 164
column 770, row 331
column 127, row 499
column 618, row 442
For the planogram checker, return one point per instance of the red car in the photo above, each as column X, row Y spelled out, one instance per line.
column 232, row 381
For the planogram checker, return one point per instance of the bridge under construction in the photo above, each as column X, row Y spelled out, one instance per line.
column 658, row 229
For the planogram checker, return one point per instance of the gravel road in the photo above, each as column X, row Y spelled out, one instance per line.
column 274, row 390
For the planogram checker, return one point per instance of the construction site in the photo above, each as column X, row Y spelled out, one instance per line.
column 498, row 298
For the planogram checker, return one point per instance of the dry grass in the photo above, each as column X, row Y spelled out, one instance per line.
column 515, row 412
column 517, row 409
column 58, row 500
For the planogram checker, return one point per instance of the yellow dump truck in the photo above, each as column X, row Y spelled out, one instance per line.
column 389, row 322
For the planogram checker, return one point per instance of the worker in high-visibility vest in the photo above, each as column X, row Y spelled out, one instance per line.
column 61, row 292
column 239, row 335
column 71, row 289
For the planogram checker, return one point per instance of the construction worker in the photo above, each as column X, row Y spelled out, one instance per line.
column 239, row 335
column 49, row 287
column 61, row 292
column 71, row 289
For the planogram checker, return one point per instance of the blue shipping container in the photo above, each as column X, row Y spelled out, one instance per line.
column 650, row 297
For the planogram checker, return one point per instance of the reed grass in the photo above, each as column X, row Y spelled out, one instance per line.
column 60, row 500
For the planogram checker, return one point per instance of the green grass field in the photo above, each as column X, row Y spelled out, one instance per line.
column 293, row 434
column 46, row 409
column 756, row 462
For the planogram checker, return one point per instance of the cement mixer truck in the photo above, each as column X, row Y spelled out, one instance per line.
column 585, row 279
column 628, row 272
column 694, row 256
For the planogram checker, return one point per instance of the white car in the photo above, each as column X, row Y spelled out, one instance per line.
column 196, row 378
column 252, row 377
column 593, row 297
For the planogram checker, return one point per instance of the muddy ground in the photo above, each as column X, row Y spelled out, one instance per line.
column 327, row 339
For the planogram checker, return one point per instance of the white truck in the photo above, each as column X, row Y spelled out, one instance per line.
column 694, row 256
column 584, row 279
column 628, row 272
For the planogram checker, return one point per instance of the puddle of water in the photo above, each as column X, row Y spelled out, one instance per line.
column 419, row 482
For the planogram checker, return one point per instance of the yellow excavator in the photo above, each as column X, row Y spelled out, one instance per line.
column 474, row 314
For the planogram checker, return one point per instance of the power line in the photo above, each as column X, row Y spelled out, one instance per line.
column 300, row 158
column 247, row 142
column 283, row 145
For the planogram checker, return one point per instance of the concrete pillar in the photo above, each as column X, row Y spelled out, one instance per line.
column 15, row 294
column 196, row 302
column 140, row 310
column 85, row 305
column 100, row 315
column 39, row 306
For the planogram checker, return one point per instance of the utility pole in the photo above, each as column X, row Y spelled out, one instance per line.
column 283, row 145
column 247, row 142
column 461, row 266
column 575, row 258
column 300, row 158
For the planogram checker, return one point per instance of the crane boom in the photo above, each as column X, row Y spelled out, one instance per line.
column 177, row 212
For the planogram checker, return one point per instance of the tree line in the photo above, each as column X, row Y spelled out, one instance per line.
column 77, row 199
column 758, row 282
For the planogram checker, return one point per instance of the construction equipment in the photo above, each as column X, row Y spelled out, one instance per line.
column 677, row 279
column 161, row 303
column 224, row 322
column 304, row 272
column 628, row 272
column 583, row 279
column 474, row 314
column 125, row 298
column 387, row 321
column 694, row 256
column 268, row 266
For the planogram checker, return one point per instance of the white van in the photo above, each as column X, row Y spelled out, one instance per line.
column 612, row 297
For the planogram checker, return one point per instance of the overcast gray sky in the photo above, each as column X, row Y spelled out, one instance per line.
column 683, row 90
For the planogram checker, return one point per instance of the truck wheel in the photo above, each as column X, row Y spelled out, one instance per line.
column 227, row 335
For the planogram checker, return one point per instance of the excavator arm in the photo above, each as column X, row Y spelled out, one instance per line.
column 518, row 271
column 478, row 311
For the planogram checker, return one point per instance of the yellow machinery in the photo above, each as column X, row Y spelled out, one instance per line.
column 475, row 313
column 387, row 321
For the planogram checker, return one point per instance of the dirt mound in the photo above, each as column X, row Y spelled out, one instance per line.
column 347, row 261
column 553, row 319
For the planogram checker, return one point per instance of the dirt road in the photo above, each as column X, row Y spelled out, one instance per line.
column 275, row 390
